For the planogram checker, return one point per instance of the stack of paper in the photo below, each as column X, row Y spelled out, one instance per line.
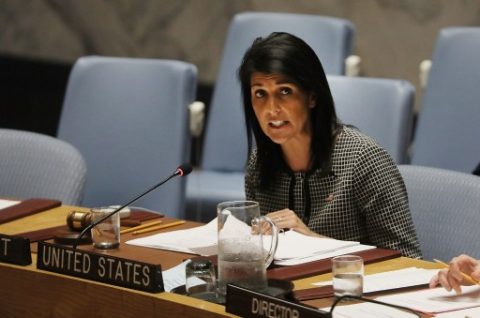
column 200, row 240
column 293, row 248
column 296, row 248
column 407, row 277
column 437, row 302
column 464, row 313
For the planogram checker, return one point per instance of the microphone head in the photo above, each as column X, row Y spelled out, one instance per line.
column 184, row 169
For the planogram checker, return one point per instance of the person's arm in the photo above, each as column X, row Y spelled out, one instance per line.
column 382, row 198
column 283, row 219
column 287, row 219
column 452, row 278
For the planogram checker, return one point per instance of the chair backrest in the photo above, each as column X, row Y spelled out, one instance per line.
column 33, row 165
column 380, row 108
column 129, row 119
column 445, row 207
column 448, row 129
column 225, row 144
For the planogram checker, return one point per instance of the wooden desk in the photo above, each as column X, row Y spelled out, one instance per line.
column 26, row 291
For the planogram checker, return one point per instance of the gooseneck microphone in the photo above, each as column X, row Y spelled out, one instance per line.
column 181, row 171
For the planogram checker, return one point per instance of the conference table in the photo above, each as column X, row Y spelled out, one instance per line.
column 26, row 291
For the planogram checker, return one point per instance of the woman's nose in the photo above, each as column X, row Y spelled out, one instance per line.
column 273, row 106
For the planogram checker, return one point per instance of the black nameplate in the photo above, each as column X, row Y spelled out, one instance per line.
column 247, row 303
column 15, row 250
column 100, row 267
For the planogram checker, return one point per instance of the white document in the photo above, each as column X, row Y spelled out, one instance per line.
column 436, row 300
column 368, row 310
column 319, row 256
column 200, row 240
column 293, row 247
column 407, row 277
column 464, row 313
column 7, row 203
column 175, row 277
column 296, row 245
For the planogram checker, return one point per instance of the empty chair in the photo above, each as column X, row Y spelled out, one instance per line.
column 445, row 207
column 33, row 165
column 225, row 145
column 448, row 126
column 380, row 108
column 129, row 119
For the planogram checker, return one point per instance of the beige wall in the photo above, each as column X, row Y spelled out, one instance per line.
column 392, row 36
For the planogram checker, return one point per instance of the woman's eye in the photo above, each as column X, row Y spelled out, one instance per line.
column 285, row 91
column 259, row 94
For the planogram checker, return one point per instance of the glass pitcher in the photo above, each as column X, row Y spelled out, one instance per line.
column 242, row 257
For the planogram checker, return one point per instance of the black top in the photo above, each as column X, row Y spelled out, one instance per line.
column 361, row 198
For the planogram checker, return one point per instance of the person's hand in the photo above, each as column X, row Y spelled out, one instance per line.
column 287, row 219
column 452, row 278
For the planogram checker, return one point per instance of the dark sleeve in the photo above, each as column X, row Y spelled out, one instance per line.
column 383, row 200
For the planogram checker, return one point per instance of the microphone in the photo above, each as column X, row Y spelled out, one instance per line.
column 181, row 171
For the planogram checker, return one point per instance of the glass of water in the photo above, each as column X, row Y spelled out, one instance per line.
column 201, row 279
column 347, row 271
column 106, row 234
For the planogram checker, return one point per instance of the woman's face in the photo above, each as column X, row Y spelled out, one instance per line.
column 282, row 108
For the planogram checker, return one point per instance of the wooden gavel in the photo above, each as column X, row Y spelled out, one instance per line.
column 79, row 220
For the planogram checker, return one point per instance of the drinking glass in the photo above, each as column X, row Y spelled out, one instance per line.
column 347, row 271
column 105, row 235
column 200, row 279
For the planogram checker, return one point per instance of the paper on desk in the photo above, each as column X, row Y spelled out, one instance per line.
column 407, row 277
column 7, row 203
column 366, row 310
column 319, row 256
column 436, row 300
column 293, row 247
column 200, row 240
column 464, row 313
column 175, row 277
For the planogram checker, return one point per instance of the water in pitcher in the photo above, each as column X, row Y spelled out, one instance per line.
column 246, row 270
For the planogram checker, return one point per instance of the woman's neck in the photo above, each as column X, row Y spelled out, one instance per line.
column 297, row 156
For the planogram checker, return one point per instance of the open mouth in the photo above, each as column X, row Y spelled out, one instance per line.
column 277, row 123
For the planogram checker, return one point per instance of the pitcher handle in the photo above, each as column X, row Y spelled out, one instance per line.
column 274, row 243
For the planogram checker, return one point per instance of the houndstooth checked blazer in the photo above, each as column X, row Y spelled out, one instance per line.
column 362, row 198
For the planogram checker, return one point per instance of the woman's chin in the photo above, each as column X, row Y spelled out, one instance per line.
column 278, row 140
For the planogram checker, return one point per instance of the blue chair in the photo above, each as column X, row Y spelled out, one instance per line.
column 33, row 165
column 129, row 119
column 380, row 108
column 448, row 128
column 445, row 207
column 220, row 176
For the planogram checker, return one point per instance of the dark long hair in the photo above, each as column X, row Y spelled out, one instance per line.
column 287, row 55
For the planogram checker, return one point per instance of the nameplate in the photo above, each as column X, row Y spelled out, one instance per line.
column 15, row 250
column 100, row 267
column 247, row 303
